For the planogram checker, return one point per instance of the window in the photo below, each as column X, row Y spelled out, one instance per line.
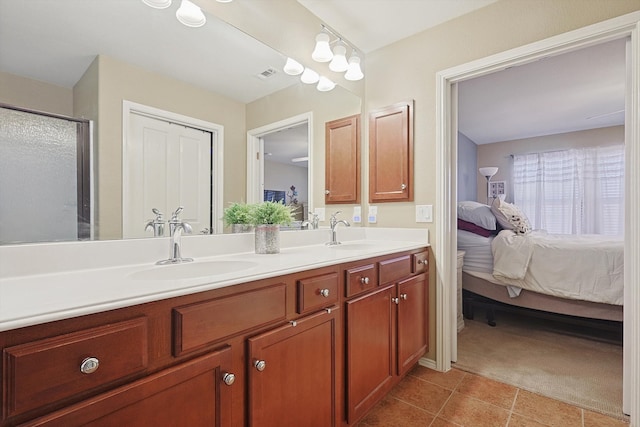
column 578, row 191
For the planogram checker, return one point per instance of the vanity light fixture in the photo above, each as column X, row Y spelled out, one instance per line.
column 190, row 14
column 322, row 51
column 309, row 76
column 325, row 85
column 354, row 72
column 339, row 62
column 293, row 67
column 157, row 4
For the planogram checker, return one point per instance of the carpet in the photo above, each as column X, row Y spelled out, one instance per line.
column 545, row 358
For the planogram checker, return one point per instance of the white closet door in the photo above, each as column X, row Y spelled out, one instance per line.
column 168, row 165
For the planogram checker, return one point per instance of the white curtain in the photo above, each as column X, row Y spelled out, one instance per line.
column 578, row 191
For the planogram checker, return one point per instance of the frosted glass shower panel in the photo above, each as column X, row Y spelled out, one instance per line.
column 38, row 178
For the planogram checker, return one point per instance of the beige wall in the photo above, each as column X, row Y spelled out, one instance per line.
column 35, row 95
column 407, row 70
column 499, row 153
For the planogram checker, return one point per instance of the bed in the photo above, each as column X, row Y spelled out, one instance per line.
column 575, row 275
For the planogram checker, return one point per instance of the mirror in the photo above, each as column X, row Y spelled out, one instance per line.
column 123, row 50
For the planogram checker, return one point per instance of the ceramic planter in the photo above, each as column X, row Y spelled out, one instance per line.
column 267, row 239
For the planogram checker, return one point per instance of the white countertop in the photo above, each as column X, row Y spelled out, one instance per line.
column 45, row 282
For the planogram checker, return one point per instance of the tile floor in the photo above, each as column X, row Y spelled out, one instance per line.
column 428, row 398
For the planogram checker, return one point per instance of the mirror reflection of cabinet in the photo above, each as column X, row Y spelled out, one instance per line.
column 391, row 153
column 342, row 161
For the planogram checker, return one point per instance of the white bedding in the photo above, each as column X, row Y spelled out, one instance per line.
column 583, row 267
column 477, row 252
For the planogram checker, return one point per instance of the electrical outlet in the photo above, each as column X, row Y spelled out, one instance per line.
column 424, row 213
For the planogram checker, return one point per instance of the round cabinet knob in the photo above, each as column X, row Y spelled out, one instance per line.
column 89, row 365
column 326, row 191
column 324, row 292
column 228, row 378
column 403, row 296
column 364, row 280
column 260, row 365
column 423, row 262
column 403, row 186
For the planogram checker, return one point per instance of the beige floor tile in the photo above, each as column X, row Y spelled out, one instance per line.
column 488, row 390
column 391, row 412
column 471, row 412
column 439, row 422
column 547, row 411
column 594, row 419
column 520, row 421
column 422, row 394
column 447, row 380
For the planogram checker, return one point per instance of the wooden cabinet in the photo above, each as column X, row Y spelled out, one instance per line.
column 342, row 160
column 293, row 377
column 413, row 307
column 391, row 153
column 192, row 394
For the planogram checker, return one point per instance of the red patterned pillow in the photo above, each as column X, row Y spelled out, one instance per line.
column 476, row 229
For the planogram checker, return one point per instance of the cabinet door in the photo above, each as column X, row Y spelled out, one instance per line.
column 370, row 350
column 391, row 153
column 193, row 393
column 342, row 161
column 293, row 373
column 413, row 318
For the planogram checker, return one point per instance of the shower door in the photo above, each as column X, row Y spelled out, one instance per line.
column 44, row 177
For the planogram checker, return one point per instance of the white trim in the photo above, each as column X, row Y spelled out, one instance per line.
column 427, row 363
column 255, row 176
column 616, row 28
column 217, row 141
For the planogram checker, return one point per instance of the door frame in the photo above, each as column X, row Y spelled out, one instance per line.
column 255, row 164
column 626, row 26
column 217, row 146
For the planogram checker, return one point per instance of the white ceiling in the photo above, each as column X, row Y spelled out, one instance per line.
column 55, row 41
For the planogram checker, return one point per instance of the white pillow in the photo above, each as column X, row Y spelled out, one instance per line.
column 510, row 217
column 477, row 213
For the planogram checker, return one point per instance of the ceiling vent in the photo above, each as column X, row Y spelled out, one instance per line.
column 269, row 72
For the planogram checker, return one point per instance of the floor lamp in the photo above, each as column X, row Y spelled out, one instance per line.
column 488, row 172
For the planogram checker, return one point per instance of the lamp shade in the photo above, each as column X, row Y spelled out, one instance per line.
column 322, row 51
column 354, row 72
column 488, row 172
column 190, row 15
column 339, row 62
column 158, row 4
column 293, row 67
column 309, row 76
column 325, row 85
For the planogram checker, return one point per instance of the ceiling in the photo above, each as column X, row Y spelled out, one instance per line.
column 578, row 90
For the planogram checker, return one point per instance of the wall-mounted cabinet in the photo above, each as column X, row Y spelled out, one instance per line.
column 391, row 153
column 342, row 161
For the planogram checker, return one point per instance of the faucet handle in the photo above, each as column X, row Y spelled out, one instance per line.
column 158, row 214
column 174, row 215
column 333, row 215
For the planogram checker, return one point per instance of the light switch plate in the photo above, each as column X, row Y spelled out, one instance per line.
column 357, row 214
column 320, row 213
column 372, row 218
column 424, row 213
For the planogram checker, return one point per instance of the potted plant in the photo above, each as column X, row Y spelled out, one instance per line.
column 238, row 217
column 267, row 218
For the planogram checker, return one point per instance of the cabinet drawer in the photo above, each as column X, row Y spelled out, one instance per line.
column 395, row 269
column 317, row 292
column 420, row 262
column 201, row 324
column 361, row 278
column 48, row 370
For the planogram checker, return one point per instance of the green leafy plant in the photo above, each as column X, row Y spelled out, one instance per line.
column 271, row 213
column 237, row 213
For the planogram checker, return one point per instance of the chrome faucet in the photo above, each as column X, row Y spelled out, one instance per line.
column 333, row 223
column 176, row 228
column 156, row 224
column 313, row 223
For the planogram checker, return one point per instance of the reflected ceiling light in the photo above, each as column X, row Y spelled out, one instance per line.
column 293, row 67
column 339, row 62
column 354, row 72
column 322, row 51
column 158, row 4
column 309, row 76
column 190, row 14
column 300, row 159
column 325, row 85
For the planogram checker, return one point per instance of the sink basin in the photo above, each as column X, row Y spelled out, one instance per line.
column 354, row 246
column 192, row 269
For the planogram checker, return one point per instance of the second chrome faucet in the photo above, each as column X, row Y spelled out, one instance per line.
column 176, row 228
column 333, row 223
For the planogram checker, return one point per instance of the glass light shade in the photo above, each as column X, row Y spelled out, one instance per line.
column 325, row 85
column 190, row 15
column 488, row 172
column 354, row 72
column 309, row 76
column 339, row 62
column 322, row 51
column 158, row 4
column 293, row 67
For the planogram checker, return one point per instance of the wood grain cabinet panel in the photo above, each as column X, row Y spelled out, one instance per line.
column 46, row 371
column 342, row 160
column 361, row 278
column 317, row 292
column 395, row 269
column 391, row 153
column 413, row 310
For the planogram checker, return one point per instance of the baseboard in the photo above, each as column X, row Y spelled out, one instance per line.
column 427, row 363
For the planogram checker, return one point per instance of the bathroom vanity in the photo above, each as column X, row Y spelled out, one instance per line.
column 313, row 336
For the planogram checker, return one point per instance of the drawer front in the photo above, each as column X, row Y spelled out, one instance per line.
column 46, row 371
column 361, row 278
column 395, row 269
column 420, row 262
column 317, row 292
column 198, row 325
